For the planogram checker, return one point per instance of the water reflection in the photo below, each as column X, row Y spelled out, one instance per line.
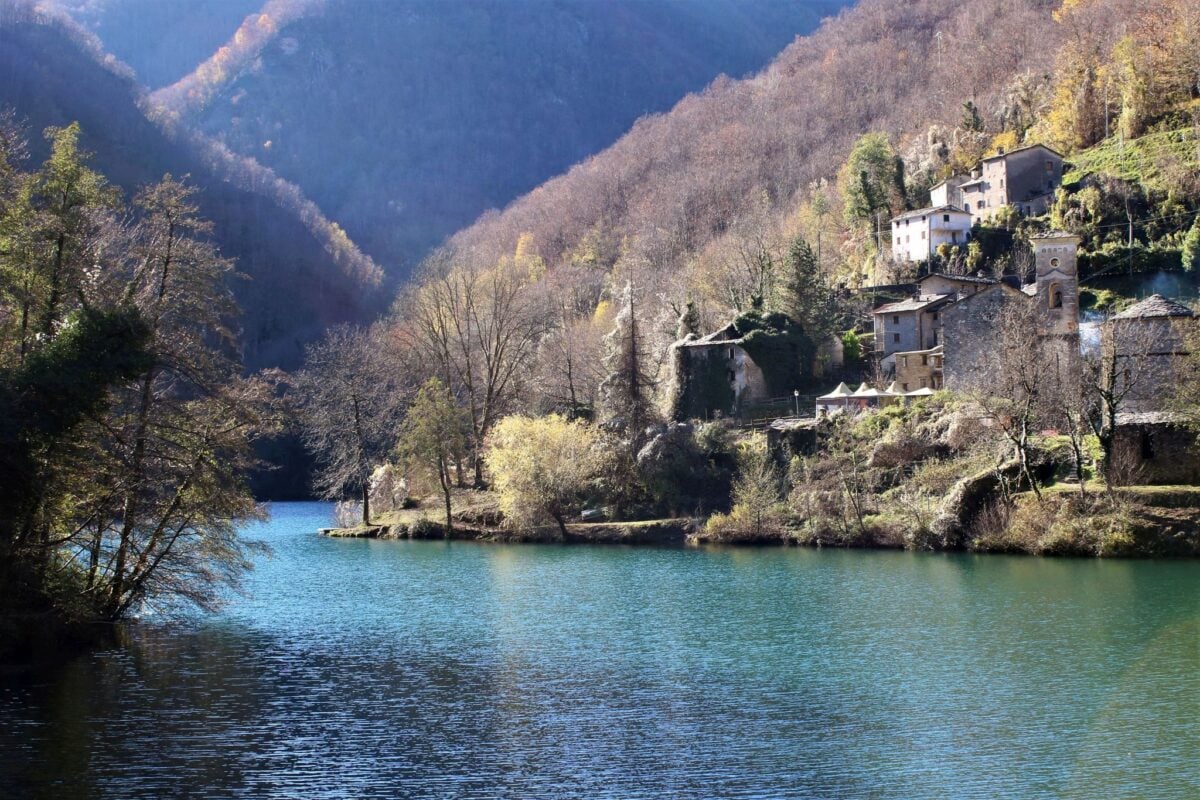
column 376, row 669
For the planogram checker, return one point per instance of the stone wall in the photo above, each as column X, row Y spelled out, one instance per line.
column 712, row 379
column 919, row 369
column 1030, row 185
column 968, row 336
column 1156, row 453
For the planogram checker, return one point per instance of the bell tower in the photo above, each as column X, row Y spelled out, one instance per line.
column 1057, row 281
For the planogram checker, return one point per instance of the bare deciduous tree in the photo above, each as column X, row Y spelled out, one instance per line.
column 350, row 396
column 479, row 328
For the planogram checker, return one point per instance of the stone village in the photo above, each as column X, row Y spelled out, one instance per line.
column 938, row 335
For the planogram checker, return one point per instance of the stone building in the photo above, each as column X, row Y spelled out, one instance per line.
column 968, row 335
column 754, row 364
column 968, row 325
column 1025, row 179
column 1148, row 343
column 915, row 325
column 714, row 376
column 919, row 369
column 959, row 285
column 949, row 192
column 916, row 235
column 1155, row 447
column 911, row 324
column 1149, row 340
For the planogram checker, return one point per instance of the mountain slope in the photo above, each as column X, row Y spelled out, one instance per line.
column 294, row 286
column 678, row 182
column 405, row 119
column 162, row 40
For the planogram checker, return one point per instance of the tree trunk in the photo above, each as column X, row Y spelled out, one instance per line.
column 130, row 509
column 366, row 502
column 445, row 481
column 55, row 287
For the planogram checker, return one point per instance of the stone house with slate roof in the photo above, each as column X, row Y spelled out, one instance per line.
column 1150, row 339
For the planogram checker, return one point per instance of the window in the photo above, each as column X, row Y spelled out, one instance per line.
column 966, row 206
column 1147, row 446
column 982, row 203
column 1002, row 183
column 935, row 315
column 896, row 338
column 904, row 361
column 904, row 386
column 731, row 354
column 945, row 217
column 924, row 383
column 1055, row 294
column 922, row 234
column 895, row 319
column 1054, row 262
column 1049, row 166
column 924, row 361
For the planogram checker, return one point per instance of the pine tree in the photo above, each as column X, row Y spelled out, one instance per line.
column 66, row 192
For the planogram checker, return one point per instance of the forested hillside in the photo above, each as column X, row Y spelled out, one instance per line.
column 743, row 156
column 406, row 119
column 706, row 196
column 297, row 276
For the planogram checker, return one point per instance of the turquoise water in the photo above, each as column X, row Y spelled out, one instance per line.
column 359, row 669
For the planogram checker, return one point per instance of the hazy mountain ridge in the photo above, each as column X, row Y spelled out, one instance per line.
column 406, row 120
column 161, row 41
column 296, row 282
column 678, row 182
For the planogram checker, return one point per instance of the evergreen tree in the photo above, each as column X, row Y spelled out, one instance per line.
column 626, row 394
column 66, row 193
column 432, row 436
column 806, row 298
column 971, row 120
column 867, row 179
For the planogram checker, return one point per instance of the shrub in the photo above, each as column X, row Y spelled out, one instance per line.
column 758, row 510
column 542, row 468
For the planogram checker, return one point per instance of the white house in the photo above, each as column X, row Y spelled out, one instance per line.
column 917, row 234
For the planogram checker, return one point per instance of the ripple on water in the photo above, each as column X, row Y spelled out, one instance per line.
column 427, row 670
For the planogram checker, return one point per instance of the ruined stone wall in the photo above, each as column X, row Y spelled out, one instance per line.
column 713, row 379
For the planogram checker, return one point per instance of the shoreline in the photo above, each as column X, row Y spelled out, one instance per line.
column 689, row 533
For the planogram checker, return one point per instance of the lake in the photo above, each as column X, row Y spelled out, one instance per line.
column 367, row 669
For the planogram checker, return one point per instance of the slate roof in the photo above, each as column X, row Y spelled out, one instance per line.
column 1054, row 235
column 1156, row 306
column 963, row 278
column 911, row 304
